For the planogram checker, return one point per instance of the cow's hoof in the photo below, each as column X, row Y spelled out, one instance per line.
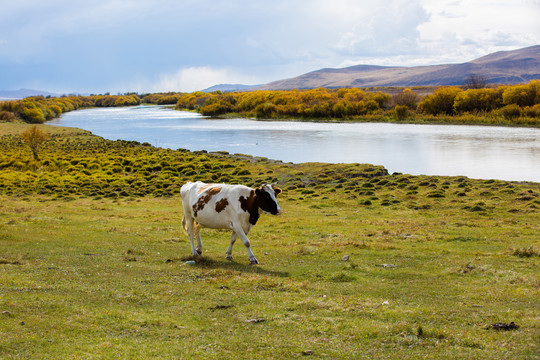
column 229, row 257
column 253, row 261
column 199, row 253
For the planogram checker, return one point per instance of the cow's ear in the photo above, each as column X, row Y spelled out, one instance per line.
column 277, row 191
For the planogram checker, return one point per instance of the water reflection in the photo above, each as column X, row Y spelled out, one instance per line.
column 473, row 151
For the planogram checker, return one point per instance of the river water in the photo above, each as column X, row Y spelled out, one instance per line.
column 474, row 151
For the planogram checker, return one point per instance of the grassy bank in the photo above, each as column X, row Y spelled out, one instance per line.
column 95, row 265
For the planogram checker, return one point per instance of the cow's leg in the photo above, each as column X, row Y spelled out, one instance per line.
column 197, row 233
column 190, row 228
column 229, row 250
column 242, row 235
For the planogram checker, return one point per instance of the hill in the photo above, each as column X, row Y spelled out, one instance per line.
column 22, row 93
column 228, row 87
column 503, row 67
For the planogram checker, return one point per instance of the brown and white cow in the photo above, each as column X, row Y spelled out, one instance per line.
column 221, row 206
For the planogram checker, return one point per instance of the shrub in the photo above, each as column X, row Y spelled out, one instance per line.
column 380, row 98
column 440, row 102
column 401, row 112
column 265, row 110
column 406, row 98
column 7, row 116
column 510, row 112
column 34, row 138
column 526, row 252
column 522, row 95
column 532, row 111
column 33, row 115
column 474, row 100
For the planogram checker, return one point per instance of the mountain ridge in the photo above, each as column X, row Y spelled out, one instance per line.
column 502, row 67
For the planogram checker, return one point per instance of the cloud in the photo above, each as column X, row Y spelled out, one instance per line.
column 386, row 29
column 105, row 45
column 195, row 78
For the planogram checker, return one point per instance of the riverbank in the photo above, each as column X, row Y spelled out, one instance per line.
column 390, row 118
column 93, row 259
column 502, row 106
column 473, row 151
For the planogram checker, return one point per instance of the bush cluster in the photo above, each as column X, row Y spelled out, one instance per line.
column 169, row 98
column 315, row 103
column 87, row 165
column 510, row 102
column 38, row 109
column 517, row 104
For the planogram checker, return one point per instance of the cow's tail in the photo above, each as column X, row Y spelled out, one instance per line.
column 196, row 226
column 184, row 226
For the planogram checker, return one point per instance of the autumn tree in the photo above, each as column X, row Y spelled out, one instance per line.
column 34, row 137
column 406, row 98
column 476, row 81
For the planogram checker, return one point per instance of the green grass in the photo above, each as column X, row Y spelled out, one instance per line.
column 88, row 276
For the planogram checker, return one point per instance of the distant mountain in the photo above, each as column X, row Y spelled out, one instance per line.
column 228, row 87
column 503, row 67
column 22, row 93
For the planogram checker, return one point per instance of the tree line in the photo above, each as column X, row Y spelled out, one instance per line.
column 38, row 109
column 518, row 104
column 509, row 104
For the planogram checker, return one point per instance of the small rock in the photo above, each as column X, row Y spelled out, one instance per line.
column 191, row 262
column 387, row 265
column 6, row 313
column 224, row 287
column 346, row 258
column 307, row 352
column 255, row 321
column 386, row 302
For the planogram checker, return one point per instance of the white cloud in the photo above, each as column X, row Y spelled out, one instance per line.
column 436, row 32
column 480, row 27
column 195, row 78
column 192, row 44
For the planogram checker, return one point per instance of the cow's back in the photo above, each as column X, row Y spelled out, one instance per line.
column 215, row 205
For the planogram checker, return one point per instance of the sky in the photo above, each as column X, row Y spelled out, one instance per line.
column 118, row 46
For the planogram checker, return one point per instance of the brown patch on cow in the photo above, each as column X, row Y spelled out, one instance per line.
column 251, row 206
column 221, row 205
column 203, row 200
column 201, row 190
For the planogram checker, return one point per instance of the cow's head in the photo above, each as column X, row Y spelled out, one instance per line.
column 266, row 199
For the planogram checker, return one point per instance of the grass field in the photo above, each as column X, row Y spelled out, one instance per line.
column 96, row 266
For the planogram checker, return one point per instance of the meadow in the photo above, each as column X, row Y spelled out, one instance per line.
column 362, row 263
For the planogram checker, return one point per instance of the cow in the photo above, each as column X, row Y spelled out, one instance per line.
column 222, row 206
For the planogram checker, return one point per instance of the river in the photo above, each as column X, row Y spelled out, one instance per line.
column 482, row 152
